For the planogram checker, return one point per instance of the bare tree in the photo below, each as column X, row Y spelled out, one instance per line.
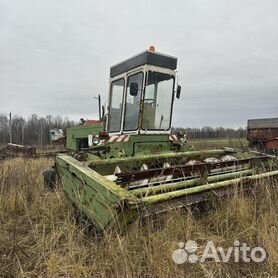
column 31, row 131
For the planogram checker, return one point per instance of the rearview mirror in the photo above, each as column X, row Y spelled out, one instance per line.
column 178, row 93
column 133, row 89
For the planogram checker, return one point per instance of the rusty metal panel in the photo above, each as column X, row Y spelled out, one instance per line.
column 262, row 134
column 272, row 145
column 15, row 148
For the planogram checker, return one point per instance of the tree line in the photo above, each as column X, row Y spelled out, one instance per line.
column 35, row 130
column 210, row 132
column 32, row 131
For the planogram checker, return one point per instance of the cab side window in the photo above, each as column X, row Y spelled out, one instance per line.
column 116, row 105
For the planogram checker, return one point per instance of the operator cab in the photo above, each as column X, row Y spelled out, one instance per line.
column 141, row 94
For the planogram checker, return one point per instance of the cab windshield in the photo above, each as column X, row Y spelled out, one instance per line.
column 158, row 98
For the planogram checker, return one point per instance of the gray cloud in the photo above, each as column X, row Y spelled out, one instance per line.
column 55, row 55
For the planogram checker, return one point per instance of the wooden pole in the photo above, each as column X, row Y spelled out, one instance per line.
column 99, row 107
column 11, row 134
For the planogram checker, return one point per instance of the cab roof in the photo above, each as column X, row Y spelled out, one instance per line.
column 144, row 58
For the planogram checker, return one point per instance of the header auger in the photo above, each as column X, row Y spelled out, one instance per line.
column 129, row 164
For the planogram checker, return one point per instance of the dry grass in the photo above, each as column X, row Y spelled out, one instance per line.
column 38, row 235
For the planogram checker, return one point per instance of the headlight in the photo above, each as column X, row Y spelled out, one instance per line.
column 96, row 140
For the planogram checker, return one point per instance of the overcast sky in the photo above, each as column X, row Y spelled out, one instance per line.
column 55, row 55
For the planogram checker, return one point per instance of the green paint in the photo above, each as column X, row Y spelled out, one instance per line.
column 100, row 199
column 77, row 133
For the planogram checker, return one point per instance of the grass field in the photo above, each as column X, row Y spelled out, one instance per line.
column 198, row 144
column 39, row 235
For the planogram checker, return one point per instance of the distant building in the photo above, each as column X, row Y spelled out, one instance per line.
column 56, row 134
